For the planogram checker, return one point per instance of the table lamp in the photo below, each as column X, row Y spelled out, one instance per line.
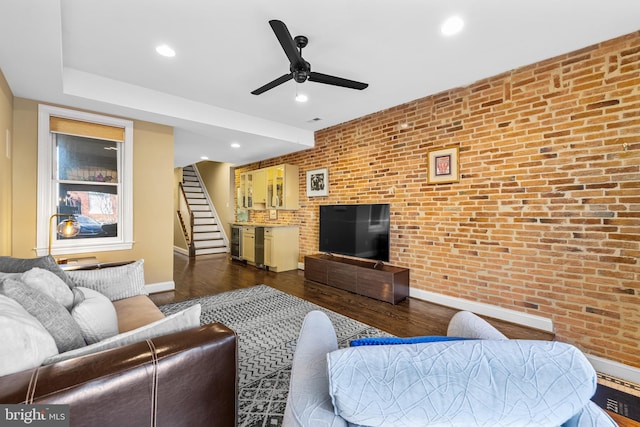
column 67, row 228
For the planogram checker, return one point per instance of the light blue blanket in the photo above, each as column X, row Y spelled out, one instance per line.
column 476, row 382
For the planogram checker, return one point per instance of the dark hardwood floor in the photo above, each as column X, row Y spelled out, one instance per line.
column 212, row 274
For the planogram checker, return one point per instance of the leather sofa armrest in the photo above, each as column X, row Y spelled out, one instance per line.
column 186, row 378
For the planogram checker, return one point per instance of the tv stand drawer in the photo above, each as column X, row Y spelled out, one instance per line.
column 315, row 269
column 342, row 276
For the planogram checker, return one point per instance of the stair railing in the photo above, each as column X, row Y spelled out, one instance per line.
column 187, row 220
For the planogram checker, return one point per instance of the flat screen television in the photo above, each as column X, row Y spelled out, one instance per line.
column 360, row 231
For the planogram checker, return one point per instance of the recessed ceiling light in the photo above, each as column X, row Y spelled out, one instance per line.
column 165, row 50
column 235, row 145
column 204, row 158
column 452, row 25
column 301, row 97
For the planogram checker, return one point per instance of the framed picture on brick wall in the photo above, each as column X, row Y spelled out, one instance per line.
column 444, row 165
column 318, row 182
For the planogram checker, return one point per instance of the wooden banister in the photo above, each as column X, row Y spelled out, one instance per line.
column 187, row 218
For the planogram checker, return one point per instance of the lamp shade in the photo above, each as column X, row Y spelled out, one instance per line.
column 69, row 227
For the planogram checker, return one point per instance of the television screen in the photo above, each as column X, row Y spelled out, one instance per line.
column 355, row 230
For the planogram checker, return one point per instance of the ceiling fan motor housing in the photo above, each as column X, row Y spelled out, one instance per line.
column 302, row 69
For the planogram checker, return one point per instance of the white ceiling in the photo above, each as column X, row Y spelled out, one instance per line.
column 99, row 55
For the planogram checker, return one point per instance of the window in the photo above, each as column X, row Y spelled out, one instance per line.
column 85, row 171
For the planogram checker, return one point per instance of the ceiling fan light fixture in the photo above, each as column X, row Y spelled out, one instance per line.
column 300, row 76
column 301, row 97
column 452, row 25
column 165, row 50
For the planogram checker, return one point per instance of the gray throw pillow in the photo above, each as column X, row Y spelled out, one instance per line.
column 49, row 284
column 115, row 283
column 53, row 316
column 20, row 265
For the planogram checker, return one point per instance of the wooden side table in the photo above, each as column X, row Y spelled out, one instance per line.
column 89, row 263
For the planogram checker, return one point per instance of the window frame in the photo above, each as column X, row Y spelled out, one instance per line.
column 48, row 197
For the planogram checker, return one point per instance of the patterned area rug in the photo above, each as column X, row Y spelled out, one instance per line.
column 267, row 322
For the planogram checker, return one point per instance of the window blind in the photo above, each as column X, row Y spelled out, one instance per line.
column 86, row 129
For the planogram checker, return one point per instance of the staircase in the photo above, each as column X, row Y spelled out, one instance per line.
column 207, row 234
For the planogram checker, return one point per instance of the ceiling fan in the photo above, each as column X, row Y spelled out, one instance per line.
column 300, row 70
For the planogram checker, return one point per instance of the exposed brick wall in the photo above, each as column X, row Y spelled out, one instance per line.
column 546, row 216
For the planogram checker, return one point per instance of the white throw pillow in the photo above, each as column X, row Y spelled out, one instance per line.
column 185, row 319
column 49, row 284
column 96, row 316
column 53, row 316
column 114, row 282
column 25, row 342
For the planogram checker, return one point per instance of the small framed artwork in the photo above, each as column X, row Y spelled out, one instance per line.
column 318, row 182
column 444, row 165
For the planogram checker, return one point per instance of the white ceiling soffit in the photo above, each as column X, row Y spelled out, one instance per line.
column 100, row 55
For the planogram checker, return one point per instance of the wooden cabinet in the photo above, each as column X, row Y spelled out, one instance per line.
column 268, row 249
column 282, row 187
column 259, row 178
column 245, row 191
column 275, row 248
column 275, row 187
column 252, row 191
column 248, row 244
column 281, row 248
column 380, row 281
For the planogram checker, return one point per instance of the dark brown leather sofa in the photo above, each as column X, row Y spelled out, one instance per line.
column 183, row 379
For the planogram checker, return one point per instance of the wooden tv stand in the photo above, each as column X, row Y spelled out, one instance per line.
column 375, row 280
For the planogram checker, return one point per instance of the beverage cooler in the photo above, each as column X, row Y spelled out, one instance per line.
column 259, row 248
column 236, row 242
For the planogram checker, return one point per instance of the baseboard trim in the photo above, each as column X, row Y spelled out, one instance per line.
column 154, row 288
column 508, row 315
column 614, row 369
column 181, row 250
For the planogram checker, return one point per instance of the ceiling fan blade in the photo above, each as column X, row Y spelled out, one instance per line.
column 286, row 41
column 336, row 81
column 282, row 79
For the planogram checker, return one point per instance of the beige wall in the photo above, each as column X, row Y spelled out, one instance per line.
column 219, row 183
column 25, row 177
column 6, row 128
column 152, row 197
